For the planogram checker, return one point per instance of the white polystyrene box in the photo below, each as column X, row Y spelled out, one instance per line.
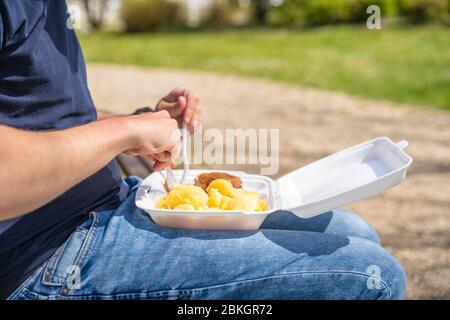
column 342, row 178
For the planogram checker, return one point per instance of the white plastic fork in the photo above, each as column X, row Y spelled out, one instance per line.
column 184, row 152
column 170, row 177
column 184, row 155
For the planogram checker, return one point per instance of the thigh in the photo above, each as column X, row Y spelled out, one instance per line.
column 338, row 222
column 129, row 257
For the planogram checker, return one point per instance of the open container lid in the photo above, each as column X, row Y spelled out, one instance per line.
column 345, row 177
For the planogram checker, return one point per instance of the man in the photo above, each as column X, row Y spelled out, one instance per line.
column 69, row 227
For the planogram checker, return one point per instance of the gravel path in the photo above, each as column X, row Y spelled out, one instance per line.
column 412, row 219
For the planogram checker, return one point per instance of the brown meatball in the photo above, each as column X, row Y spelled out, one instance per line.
column 203, row 180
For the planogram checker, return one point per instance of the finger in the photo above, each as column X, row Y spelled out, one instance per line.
column 192, row 102
column 173, row 95
column 190, row 128
column 182, row 103
column 196, row 119
column 194, row 125
column 175, row 139
column 130, row 153
column 158, row 166
column 175, row 151
column 149, row 158
column 163, row 156
column 175, row 109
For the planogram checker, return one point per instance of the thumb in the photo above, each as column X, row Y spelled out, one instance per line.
column 171, row 107
column 182, row 103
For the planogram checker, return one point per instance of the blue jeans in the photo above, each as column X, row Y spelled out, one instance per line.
column 123, row 254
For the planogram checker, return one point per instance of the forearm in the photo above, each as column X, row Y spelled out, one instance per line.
column 39, row 166
column 101, row 115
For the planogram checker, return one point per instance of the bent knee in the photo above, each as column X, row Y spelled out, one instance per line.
column 394, row 277
column 361, row 271
column 383, row 276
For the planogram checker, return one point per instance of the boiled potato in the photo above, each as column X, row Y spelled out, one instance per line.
column 223, row 186
column 215, row 198
column 244, row 202
column 187, row 194
column 225, row 201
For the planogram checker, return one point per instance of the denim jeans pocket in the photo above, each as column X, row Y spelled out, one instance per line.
column 64, row 267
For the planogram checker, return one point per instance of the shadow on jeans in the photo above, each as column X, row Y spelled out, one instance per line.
column 311, row 241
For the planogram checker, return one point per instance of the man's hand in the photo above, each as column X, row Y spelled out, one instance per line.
column 156, row 137
column 182, row 108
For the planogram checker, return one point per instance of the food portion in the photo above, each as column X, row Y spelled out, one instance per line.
column 203, row 180
column 217, row 194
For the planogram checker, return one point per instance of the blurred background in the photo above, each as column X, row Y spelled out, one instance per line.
column 314, row 70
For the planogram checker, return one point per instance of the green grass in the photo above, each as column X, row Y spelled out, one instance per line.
column 410, row 65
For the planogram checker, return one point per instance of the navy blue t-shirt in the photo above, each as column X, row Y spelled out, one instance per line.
column 43, row 86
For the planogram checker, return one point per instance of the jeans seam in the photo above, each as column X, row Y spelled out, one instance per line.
column 31, row 295
column 51, row 264
column 86, row 247
column 53, row 261
column 179, row 293
column 367, row 276
column 363, row 274
column 24, row 285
